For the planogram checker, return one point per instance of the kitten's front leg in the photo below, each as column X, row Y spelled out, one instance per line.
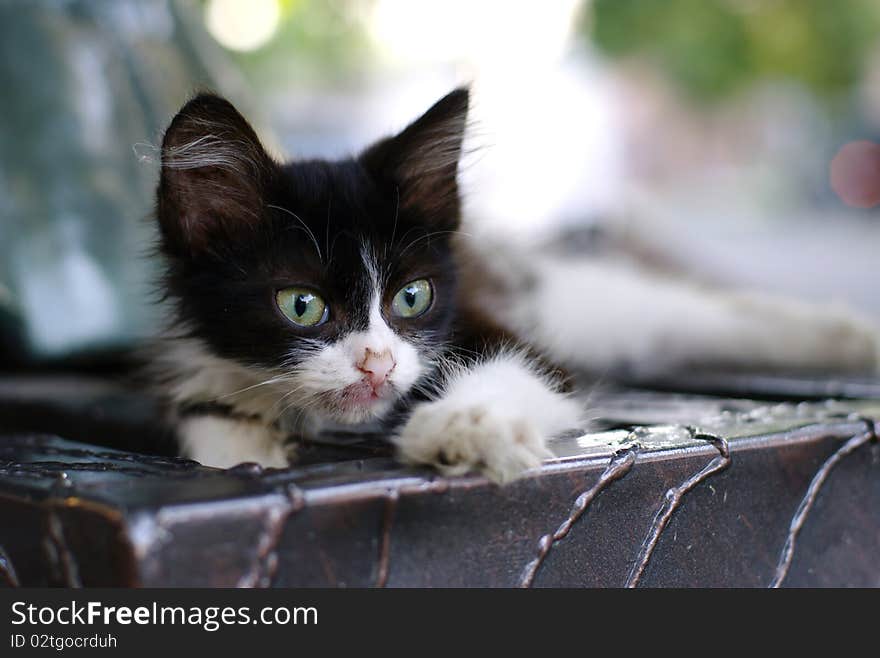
column 224, row 442
column 495, row 417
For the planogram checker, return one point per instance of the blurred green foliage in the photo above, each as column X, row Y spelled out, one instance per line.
column 713, row 48
column 318, row 41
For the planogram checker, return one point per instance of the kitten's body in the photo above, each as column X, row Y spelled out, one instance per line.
column 470, row 393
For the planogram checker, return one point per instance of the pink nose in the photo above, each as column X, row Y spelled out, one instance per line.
column 376, row 366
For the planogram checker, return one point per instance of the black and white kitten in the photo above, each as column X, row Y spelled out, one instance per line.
column 315, row 292
column 323, row 292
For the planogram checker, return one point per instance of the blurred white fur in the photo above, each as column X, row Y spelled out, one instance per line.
column 601, row 314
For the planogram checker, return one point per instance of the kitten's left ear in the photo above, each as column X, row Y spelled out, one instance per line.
column 421, row 162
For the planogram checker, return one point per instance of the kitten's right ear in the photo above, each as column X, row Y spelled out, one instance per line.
column 214, row 171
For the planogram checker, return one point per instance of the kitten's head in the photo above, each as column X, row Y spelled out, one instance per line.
column 336, row 278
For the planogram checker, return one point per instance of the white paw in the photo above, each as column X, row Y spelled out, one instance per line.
column 457, row 439
column 223, row 443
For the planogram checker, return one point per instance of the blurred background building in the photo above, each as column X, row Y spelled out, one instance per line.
column 736, row 137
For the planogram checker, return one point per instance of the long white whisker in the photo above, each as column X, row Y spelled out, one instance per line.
column 273, row 380
column 427, row 236
column 285, row 396
column 304, row 225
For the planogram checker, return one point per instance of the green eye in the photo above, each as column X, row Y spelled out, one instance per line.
column 302, row 306
column 413, row 299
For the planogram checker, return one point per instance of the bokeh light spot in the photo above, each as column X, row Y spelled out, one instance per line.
column 242, row 25
column 855, row 174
